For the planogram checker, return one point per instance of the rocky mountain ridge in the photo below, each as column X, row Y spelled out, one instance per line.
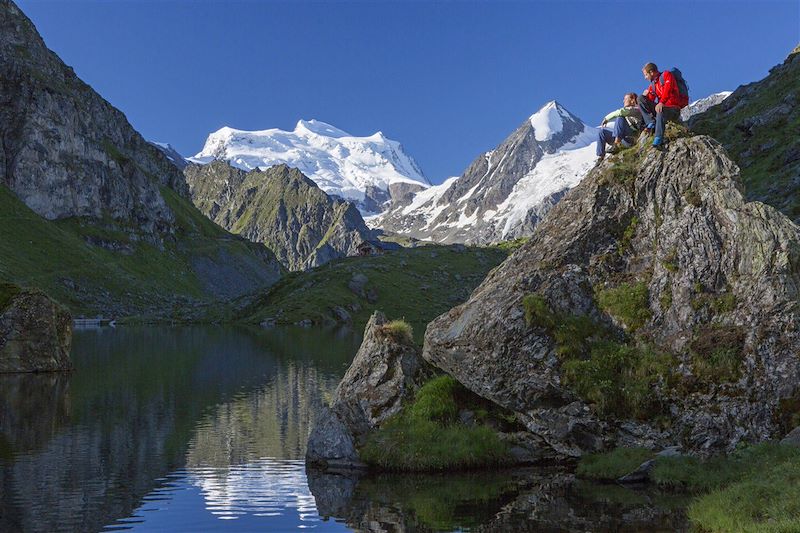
column 759, row 126
column 506, row 191
column 280, row 208
column 93, row 214
column 67, row 152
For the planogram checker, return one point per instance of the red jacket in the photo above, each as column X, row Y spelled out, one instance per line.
column 665, row 88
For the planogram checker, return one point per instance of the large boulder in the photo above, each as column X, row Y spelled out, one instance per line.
column 386, row 371
column 658, row 256
column 35, row 332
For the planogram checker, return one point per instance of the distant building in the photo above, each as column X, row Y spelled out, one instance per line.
column 376, row 247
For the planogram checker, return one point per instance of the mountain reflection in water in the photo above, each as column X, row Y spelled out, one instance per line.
column 204, row 428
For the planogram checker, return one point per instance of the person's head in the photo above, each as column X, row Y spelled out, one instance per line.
column 650, row 72
column 629, row 100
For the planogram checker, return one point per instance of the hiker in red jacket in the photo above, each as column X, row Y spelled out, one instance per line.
column 663, row 87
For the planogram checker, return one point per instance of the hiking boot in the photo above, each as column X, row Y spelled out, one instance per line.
column 658, row 143
column 615, row 149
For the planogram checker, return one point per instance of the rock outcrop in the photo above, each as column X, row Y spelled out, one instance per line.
column 385, row 372
column 758, row 125
column 661, row 310
column 66, row 151
column 35, row 332
column 280, row 208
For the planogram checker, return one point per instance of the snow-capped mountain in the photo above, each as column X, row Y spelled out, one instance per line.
column 505, row 192
column 698, row 106
column 172, row 154
column 368, row 171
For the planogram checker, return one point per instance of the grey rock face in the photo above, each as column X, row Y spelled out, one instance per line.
column 483, row 186
column 384, row 372
column 67, row 152
column 280, row 208
column 695, row 242
column 35, row 334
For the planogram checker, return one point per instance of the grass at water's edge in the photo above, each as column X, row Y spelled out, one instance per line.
column 427, row 435
column 756, row 488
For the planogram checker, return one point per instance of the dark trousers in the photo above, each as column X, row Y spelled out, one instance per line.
column 604, row 135
column 650, row 117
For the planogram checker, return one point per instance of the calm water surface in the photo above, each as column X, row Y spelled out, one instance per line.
column 204, row 428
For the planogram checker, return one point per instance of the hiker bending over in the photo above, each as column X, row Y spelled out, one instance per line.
column 672, row 94
column 627, row 125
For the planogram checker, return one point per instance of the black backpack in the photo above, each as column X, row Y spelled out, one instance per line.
column 683, row 87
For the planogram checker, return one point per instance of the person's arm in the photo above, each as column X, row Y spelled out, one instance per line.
column 614, row 114
column 650, row 93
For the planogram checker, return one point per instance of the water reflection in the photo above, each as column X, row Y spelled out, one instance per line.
column 518, row 500
column 81, row 450
column 199, row 429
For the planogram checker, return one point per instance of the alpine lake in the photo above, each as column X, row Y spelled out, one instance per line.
column 204, row 429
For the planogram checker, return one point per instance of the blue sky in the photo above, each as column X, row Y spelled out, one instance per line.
column 447, row 79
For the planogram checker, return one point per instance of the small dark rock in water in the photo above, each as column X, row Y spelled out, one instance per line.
column 35, row 334
column 342, row 315
column 642, row 473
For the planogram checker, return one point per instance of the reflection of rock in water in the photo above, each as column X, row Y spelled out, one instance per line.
column 33, row 407
column 490, row 502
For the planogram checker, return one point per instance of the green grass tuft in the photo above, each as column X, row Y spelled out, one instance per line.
column 612, row 465
column 718, row 353
column 399, row 330
column 436, row 401
column 426, row 435
column 629, row 303
column 538, row 312
column 622, row 380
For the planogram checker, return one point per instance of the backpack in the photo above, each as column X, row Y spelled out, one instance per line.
column 683, row 88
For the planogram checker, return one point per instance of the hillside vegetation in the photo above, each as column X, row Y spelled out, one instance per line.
column 416, row 284
column 101, row 266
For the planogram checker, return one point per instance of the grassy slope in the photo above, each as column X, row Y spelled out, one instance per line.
column 768, row 154
column 416, row 284
column 54, row 256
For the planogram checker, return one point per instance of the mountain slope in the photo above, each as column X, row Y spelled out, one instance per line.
column 505, row 192
column 359, row 169
column 91, row 212
column 703, row 104
column 759, row 126
column 652, row 306
column 280, row 208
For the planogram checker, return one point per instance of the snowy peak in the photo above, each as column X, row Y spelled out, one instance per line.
column 703, row 104
column 549, row 120
column 359, row 169
column 317, row 127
